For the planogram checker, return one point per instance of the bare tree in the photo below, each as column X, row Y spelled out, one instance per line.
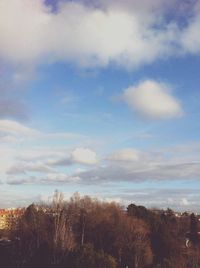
column 63, row 238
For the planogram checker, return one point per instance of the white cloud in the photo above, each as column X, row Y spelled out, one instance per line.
column 84, row 156
column 22, row 22
column 13, row 128
column 128, row 34
column 153, row 100
column 184, row 202
column 12, row 131
column 190, row 38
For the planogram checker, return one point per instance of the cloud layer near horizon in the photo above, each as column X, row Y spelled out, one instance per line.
column 47, row 163
column 28, row 164
column 129, row 34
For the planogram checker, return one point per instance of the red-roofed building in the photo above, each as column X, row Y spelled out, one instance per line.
column 9, row 218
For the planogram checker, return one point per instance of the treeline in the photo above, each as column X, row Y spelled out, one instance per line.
column 86, row 233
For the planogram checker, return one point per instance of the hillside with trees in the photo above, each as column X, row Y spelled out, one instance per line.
column 87, row 233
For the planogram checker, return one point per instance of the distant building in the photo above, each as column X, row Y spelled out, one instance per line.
column 9, row 218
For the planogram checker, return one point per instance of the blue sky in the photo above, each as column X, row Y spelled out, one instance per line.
column 100, row 97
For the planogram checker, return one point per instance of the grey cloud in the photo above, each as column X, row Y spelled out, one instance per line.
column 80, row 155
column 13, row 180
column 46, row 179
column 23, row 168
column 65, row 161
column 141, row 171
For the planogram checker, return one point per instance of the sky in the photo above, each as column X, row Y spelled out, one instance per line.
column 100, row 97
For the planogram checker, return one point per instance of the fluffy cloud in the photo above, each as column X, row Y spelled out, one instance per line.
column 84, row 156
column 129, row 33
column 190, row 37
column 153, row 100
column 23, row 23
